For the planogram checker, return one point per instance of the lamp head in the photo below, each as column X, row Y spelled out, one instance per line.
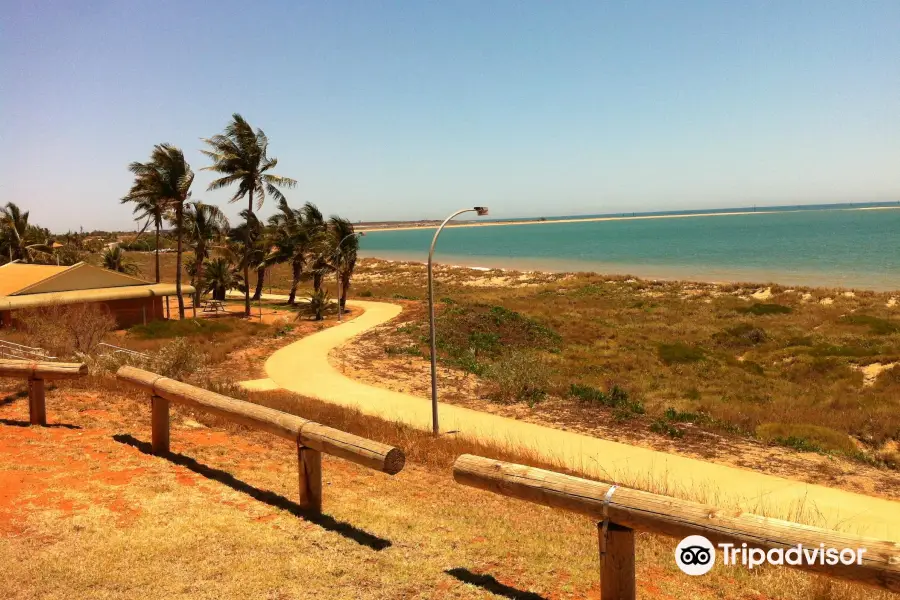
column 481, row 210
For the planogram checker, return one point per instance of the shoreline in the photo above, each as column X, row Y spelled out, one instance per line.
column 611, row 218
column 649, row 272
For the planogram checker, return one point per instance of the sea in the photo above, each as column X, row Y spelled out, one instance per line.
column 853, row 246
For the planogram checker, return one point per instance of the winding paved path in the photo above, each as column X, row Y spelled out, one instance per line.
column 303, row 367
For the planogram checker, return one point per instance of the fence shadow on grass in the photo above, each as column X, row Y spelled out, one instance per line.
column 13, row 397
column 489, row 583
column 324, row 521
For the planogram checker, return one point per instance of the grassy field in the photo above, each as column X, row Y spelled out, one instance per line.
column 87, row 512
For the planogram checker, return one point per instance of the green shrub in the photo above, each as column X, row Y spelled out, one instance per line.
column 743, row 334
column 822, row 350
column 470, row 335
column 365, row 294
column 519, row 376
column 761, row 308
column 876, row 325
column 163, row 329
column 410, row 350
column 800, row 340
column 317, row 306
column 679, row 353
column 676, row 416
column 751, row 367
column 616, row 398
column 809, row 438
column 663, row 427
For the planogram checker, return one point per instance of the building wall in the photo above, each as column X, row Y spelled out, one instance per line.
column 136, row 311
column 127, row 312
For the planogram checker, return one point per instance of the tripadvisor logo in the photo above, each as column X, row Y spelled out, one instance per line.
column 696, row 555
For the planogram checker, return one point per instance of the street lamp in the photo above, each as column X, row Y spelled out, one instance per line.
column 337, row 252
column 481, row 211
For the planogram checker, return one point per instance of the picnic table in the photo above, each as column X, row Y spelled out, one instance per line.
column 214, row 306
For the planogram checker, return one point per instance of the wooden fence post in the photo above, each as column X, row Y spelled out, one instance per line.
column 159, row 422
column 309, row 467
column 37, row 408
column 617, row 580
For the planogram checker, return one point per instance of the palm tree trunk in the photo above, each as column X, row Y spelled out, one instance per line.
column 157, row 253
column 199, row 254
column 317, row 281
column 295, row 281
column 345, row 286
column 247, row 258
column 179, row 230
column 260, row 276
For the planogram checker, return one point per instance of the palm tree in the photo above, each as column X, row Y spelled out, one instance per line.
column 219, row 276
column 291, row 242
column 19, row 238
column 165, row 180
column 249, row 247
column 153, row 209
column 316, row 306
column 240, row 154
column 317, row 228
column 264, row 255
column 344, row 246
column 114, row 259
column 203, row 225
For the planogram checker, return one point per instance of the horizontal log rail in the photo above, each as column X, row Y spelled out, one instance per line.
column 311, row 438
column 630, row 510
column 36, row 372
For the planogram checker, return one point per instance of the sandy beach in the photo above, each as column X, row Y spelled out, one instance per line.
column 435, row 224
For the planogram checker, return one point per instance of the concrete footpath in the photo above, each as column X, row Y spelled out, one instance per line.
column 303, row 367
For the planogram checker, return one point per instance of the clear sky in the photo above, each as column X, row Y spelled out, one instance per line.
column 404, row 110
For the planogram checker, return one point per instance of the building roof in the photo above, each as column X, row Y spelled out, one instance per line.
column 95, row 295
column 17, row 279
column 14, row 276
column 28, row 286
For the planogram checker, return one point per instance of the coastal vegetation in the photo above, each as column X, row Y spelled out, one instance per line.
column 809, row 369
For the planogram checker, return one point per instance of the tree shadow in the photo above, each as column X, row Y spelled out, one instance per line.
column 324, row 521
column 489, row 583
column 15, row 423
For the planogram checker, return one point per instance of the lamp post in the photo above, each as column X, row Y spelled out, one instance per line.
column 481, row 211
column 337, row 254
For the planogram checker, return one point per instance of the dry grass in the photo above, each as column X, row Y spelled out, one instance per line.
column 87, row 513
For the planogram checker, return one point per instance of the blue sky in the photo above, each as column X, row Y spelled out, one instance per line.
column 406, row 110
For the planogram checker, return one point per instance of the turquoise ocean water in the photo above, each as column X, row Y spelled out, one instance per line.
column 831, row 247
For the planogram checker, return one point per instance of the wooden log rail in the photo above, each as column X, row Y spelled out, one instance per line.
column 311, row 438
column 628, row 510
column 36, row 373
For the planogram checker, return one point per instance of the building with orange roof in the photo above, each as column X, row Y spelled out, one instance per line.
column 131, row 300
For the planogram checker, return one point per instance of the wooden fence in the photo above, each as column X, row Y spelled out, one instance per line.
column 36, row 373
column 620, row 511
column 312, row 438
